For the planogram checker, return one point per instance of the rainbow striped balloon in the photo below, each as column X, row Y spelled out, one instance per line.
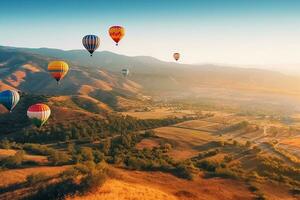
column 9, row 99
column 39, row 114
column 91, row 43
column 58, row 69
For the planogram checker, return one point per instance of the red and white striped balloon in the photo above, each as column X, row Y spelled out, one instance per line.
column 39, row 114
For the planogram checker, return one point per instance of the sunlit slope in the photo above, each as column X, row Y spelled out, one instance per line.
column 155, row 75
column 28, row 73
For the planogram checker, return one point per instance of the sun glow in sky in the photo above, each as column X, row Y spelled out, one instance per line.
column 250, row 32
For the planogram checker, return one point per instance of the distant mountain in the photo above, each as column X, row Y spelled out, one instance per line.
column 153, row 75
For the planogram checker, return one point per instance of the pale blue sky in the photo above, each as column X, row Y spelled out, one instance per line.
column 251, row 32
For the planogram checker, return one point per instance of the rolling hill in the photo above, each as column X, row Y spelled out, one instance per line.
column 158, row 76
column 28, row 73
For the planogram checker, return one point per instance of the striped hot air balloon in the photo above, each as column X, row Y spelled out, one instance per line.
column 176, row 56
column 58, row 69
column 9, row 99
column 116, row 33
column 38, row 114
column 125, row 72
column 91, row 43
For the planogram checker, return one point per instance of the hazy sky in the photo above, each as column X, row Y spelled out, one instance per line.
column 248, row 32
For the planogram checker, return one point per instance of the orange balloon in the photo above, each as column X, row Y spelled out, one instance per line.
column 116, row 33
column 176, row 56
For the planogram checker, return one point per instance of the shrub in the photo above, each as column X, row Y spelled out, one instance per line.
column 33, row 179
column 225, row 173
column 38, row 149
column 183, row 171
column 5, row 144
column 149, row 133
column 207, row 165
column 14, row 161
column 85, row 154
column 93, row 181
column 98, row 156
column 59, row 158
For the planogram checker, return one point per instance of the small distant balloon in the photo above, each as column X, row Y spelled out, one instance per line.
column 125, row 72
column 176, row 56
column 58, row 69
column 38, row 114
column 116, row 33
column 91, row 43
column 9, row 99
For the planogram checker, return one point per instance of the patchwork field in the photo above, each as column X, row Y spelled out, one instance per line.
column 158, row 113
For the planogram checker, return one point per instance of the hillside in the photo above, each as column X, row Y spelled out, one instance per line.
column 158, row 76
column 28, row 73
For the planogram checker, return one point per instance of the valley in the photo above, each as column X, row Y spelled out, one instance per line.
column 145, row 137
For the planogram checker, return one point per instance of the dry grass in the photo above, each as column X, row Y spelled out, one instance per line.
column 158, row 113
column 35, row 158
column 119, row 190
column 136, row 185
column 185, row 142
column 13, row 176
column 16, row 78
column 31, row 68
column 148, row 143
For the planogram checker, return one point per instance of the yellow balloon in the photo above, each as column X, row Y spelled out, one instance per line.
column 58, row 69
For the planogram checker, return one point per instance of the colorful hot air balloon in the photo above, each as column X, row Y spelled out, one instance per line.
column 91, row 43
column 39, row 114
column 116, row 33
column 9, row 99
column 125, row 72
column 58, row 69
column 176, row 56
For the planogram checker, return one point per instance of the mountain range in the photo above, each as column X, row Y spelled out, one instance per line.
column 99, row 78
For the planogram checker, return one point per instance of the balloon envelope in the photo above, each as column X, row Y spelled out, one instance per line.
column 116, row 33
column 91, row 43
column 125, row 72
column 58, row 69
column 38, row 114
column 9, row 99
column 176, row 56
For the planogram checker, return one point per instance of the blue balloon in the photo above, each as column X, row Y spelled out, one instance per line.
column 91, row 43
column 9, row 99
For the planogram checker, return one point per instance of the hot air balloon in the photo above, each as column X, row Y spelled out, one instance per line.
column 116, row 33
column 125, row 72
column 91, row 43
column 39, row 114
column 176, row 56
column 9, row 99
column 58, row 69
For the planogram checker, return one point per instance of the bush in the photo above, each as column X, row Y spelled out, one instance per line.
column 149, row 133
column 59, row 158
column 33, row 179
column 86, row 154
column 38, row 149
column 98, row 156
column 183, row 171
column 14, row 161
column 207, row 165
column 5, row 144
column 226, row 173
column 93, row 181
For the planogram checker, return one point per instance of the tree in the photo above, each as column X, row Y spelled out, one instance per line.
column 58, row 157
column 15, row 160
column 86, row 154
column 248, row 144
